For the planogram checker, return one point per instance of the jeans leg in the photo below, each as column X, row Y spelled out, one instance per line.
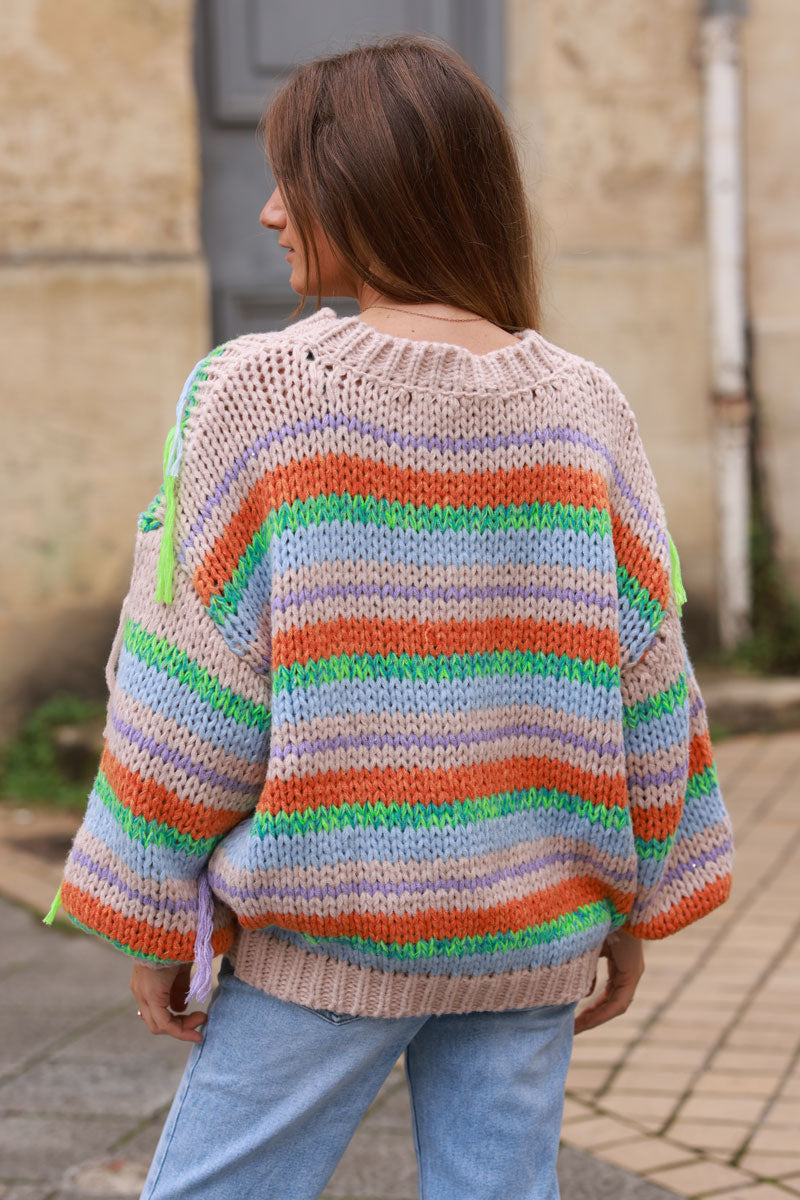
column 487, row 1097
column 271, row 1097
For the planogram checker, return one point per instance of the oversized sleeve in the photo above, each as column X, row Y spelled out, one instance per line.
column 681, row 829
column 186, row 738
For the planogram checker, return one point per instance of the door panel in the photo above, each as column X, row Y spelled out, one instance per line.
column 243, row 49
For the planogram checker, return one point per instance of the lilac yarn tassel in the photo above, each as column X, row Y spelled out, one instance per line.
column 203, row 952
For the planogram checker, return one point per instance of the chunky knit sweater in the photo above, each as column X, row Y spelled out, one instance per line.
column 400, row 714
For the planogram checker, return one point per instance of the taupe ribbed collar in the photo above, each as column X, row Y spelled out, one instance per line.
column 436, row 367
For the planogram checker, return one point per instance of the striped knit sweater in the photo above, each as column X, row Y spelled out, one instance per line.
column 401, row 715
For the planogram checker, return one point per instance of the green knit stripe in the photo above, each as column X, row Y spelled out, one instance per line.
column 581, row 920
column 443, row 668
column 702, row 783
column 455, row 814
column 157, row 652
column 658, row 705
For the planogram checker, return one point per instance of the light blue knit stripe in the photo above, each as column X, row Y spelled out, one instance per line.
column 659, row 733
column 245, row 851
column 635, row 630
column 250, row 616
column 171, row 698
column 448, row 696
column 319, row 545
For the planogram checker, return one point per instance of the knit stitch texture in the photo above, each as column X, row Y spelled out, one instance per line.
column 420, row 711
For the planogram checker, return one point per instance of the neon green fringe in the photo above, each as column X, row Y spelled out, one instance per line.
column 677, row 581
column 54, row 907
column 166, row 555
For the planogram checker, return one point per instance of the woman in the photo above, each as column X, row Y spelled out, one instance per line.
column 403, row 722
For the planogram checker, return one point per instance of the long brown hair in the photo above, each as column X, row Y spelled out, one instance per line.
column 398, row 151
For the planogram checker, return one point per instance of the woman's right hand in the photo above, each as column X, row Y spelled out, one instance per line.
column 161, row 997
column 625, row 956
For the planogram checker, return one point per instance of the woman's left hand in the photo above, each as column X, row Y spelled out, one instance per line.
column 161, row 997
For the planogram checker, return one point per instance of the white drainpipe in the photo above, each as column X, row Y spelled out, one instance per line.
column 726, row 246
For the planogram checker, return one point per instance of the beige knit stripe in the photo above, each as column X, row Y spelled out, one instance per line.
column 199, row 639
column 654, row 795
column 432, row 757
column 440, row 461
column 203, row 754
column 471, row 608
column 658, row 672
column 690, row 850
column 294, row 974
column 383, row 573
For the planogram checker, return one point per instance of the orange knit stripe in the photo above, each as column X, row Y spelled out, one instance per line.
column 535, row 909
column 418, row 785
column 135, row 933
column 701, row 755
column 658, row 823
column 146, row 798
column 684, row 911
column 634, row 555
column 383, row 635
column 214, row 572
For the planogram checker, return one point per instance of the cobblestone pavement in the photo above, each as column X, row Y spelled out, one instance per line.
column 695, row 1090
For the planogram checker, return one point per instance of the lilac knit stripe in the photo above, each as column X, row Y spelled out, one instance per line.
column 399, row 592
column 432, row 741
column 174, row 758
column 699, row 860
column 101, row 872
column 365, row 887
column 537, row 436
column 657, row 779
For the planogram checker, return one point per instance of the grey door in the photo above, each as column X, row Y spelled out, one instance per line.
column 242, row 49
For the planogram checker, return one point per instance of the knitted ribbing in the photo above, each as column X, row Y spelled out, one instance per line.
column 421, row 708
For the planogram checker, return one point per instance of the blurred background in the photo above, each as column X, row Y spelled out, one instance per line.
column 660, row 156
column 661, row 149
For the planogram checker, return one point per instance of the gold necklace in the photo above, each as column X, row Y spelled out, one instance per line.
column 387, row 308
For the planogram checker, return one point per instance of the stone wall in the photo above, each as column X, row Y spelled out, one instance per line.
column 103, row 305
column 772, row 140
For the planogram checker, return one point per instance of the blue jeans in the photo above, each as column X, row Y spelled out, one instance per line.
column 273, row 1094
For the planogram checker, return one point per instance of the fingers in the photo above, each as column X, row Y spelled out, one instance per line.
column 625, row 969
column 183, row 1026
column 611, row 1004
column 158, row 994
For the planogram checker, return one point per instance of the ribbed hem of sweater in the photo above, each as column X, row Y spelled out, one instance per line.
column 317, row 981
